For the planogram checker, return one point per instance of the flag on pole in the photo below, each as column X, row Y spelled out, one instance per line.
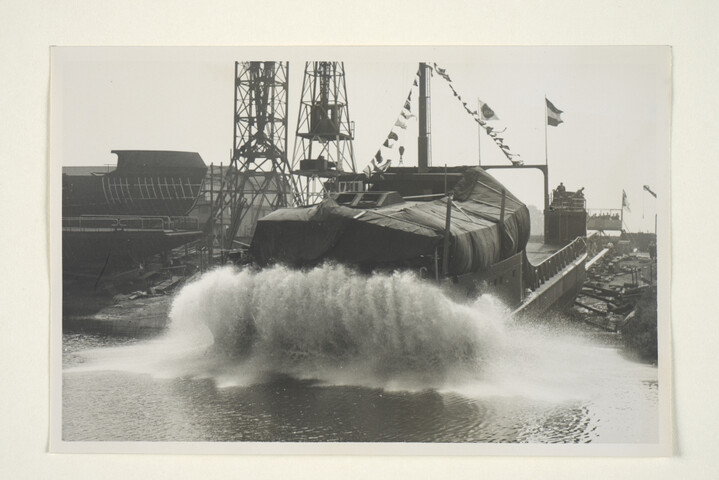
column 625, row 202
column 554, row 115
column 486, row 112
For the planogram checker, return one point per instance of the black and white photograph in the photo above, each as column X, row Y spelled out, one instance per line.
column 361, row 250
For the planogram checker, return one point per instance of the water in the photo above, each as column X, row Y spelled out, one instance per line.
column 328, row 355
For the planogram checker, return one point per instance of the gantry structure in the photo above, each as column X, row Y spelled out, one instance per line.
column 323, row 151
column 258, row 179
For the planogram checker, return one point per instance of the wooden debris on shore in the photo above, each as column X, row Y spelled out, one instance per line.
column 616, row 282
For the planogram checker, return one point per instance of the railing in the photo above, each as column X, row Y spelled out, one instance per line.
column 568, row 200
column 536, row 275
column 130, row 222
column 185, row 223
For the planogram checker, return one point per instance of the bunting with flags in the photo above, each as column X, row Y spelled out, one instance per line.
column 482, row 115
column 554, row 115
column 379, row 162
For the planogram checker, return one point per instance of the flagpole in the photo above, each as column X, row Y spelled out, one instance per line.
column 546, row 173
column 546, row 157
column 479, row 135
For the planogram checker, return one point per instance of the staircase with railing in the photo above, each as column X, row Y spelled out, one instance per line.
column 536, row 275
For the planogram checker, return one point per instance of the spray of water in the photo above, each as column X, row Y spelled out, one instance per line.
column 390, row 331
column 338, row 326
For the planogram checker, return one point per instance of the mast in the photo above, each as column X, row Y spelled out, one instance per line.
column 424, row 159
column 546, row 174
column 479, row 136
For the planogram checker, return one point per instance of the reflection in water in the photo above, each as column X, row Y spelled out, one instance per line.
column 118, row 406
column 331, row 356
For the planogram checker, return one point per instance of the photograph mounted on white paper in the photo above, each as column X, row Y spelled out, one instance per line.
column 361, row 250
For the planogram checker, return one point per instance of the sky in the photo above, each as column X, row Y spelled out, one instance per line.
column 615, row 102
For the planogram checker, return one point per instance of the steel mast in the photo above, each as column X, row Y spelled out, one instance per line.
column 258, row 179
column 323, row 152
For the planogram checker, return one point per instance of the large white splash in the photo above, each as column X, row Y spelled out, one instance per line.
column 335, row 325
column 330, row 324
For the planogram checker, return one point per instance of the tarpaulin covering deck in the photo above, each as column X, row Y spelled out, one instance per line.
column 399, row 234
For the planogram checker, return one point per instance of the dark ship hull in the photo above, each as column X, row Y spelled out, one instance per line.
column 474, row 240
column 120, row 217
column 374, row 230
column 143, row 183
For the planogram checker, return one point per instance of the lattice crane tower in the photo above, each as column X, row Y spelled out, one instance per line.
column 323, row 152
column 259, row 178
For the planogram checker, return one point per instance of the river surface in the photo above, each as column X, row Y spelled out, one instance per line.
column 328, row 356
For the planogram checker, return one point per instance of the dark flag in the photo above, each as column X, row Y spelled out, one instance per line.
column 625, row 202
column 486, row 112
column 554, row 115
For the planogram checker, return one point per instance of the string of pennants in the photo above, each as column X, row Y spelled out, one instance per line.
column 483, row 115
column 379, row 163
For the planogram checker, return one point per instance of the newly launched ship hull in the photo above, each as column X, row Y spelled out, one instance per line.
column 482, row 225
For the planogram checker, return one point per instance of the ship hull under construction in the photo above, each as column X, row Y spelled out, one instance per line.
column 114, row 219
column 92, row 250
